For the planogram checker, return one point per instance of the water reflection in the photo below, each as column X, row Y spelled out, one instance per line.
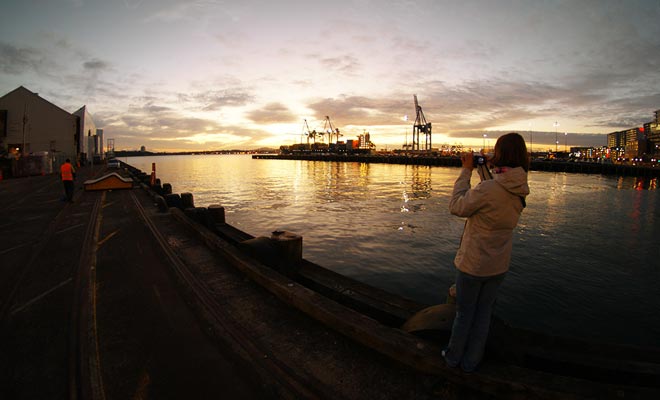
column 646, row 183
column 421, row 182
column 586, row 259
column 550, row 192
column 636, row 183
column 419, row 188
column 337, row 182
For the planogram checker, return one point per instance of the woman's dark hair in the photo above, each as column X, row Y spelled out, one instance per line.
column 511, row 151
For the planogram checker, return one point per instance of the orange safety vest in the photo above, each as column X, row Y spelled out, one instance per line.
column 67, row 172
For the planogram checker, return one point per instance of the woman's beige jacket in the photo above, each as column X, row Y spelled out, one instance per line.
column 492, row 209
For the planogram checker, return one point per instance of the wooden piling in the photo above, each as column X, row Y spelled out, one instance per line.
column 167, row 189
column 289, row 248
column 217, row 213
column 187, row 200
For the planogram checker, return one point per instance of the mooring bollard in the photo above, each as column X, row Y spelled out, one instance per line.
column 289, row 248
column 217, row 213
column 152, row 179
column 161, row 203
column 187, row 200
column 173, row 200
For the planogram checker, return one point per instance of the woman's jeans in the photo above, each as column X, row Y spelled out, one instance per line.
column 475, row 297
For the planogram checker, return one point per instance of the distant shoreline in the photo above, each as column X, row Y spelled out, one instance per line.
column 536, row 165
column 139, row 153
column 446, row 161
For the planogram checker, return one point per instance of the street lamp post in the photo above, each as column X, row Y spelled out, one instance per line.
column 566, row 141
column 484, row 147
column 405, row 119
column 556, row 137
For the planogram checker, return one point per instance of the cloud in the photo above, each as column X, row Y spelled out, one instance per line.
column 272, row 113
column 16, row 60
column 628, row 112
column 151, row 108
column 592, row 67
column 212, row 100
column 362, row 110
column 347, row 64
column 95, row 65
column 474, row 105
column 132, row 4
column 199, row 12
column 175, row 12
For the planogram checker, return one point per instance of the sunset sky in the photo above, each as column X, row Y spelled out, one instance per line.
column 202, row 75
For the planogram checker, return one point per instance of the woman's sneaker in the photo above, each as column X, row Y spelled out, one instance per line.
column 450, row 364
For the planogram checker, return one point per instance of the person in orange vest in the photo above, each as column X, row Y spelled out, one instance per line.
column 68, row 173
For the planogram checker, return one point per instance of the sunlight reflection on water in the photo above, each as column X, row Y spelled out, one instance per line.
column 586, row 258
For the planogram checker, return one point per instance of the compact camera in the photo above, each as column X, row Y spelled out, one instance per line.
column 479, row 159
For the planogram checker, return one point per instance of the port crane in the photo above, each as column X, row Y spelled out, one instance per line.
column 421, row 126
column 306, row 132
column 330, row 129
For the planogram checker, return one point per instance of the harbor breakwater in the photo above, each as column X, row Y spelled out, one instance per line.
column 536, row 165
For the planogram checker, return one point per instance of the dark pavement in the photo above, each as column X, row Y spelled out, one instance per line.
column 142, row 337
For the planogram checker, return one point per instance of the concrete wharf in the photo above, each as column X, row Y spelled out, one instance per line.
column 99, row 299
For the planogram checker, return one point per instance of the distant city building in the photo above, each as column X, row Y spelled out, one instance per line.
column 590, row 152
column 633, row 145
column 90, row 144
column 100, row 149
column 364, row 141
column 616, row 140
column 652, row 131
column 110, row 149
column 636, row 142
column 143, row 149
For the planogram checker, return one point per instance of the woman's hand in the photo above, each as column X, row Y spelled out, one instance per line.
column 467, row 160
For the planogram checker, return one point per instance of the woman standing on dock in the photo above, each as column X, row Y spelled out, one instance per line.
column 492, row 209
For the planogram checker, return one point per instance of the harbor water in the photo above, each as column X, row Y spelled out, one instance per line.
column 586, row 258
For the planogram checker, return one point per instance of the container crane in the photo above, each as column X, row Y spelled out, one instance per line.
column 306, row 132
column 330, row 129
column 421, row 126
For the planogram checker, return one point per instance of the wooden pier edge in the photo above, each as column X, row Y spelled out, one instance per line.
column 509, row 381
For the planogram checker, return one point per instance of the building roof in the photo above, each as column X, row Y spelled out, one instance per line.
column 23, row 90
